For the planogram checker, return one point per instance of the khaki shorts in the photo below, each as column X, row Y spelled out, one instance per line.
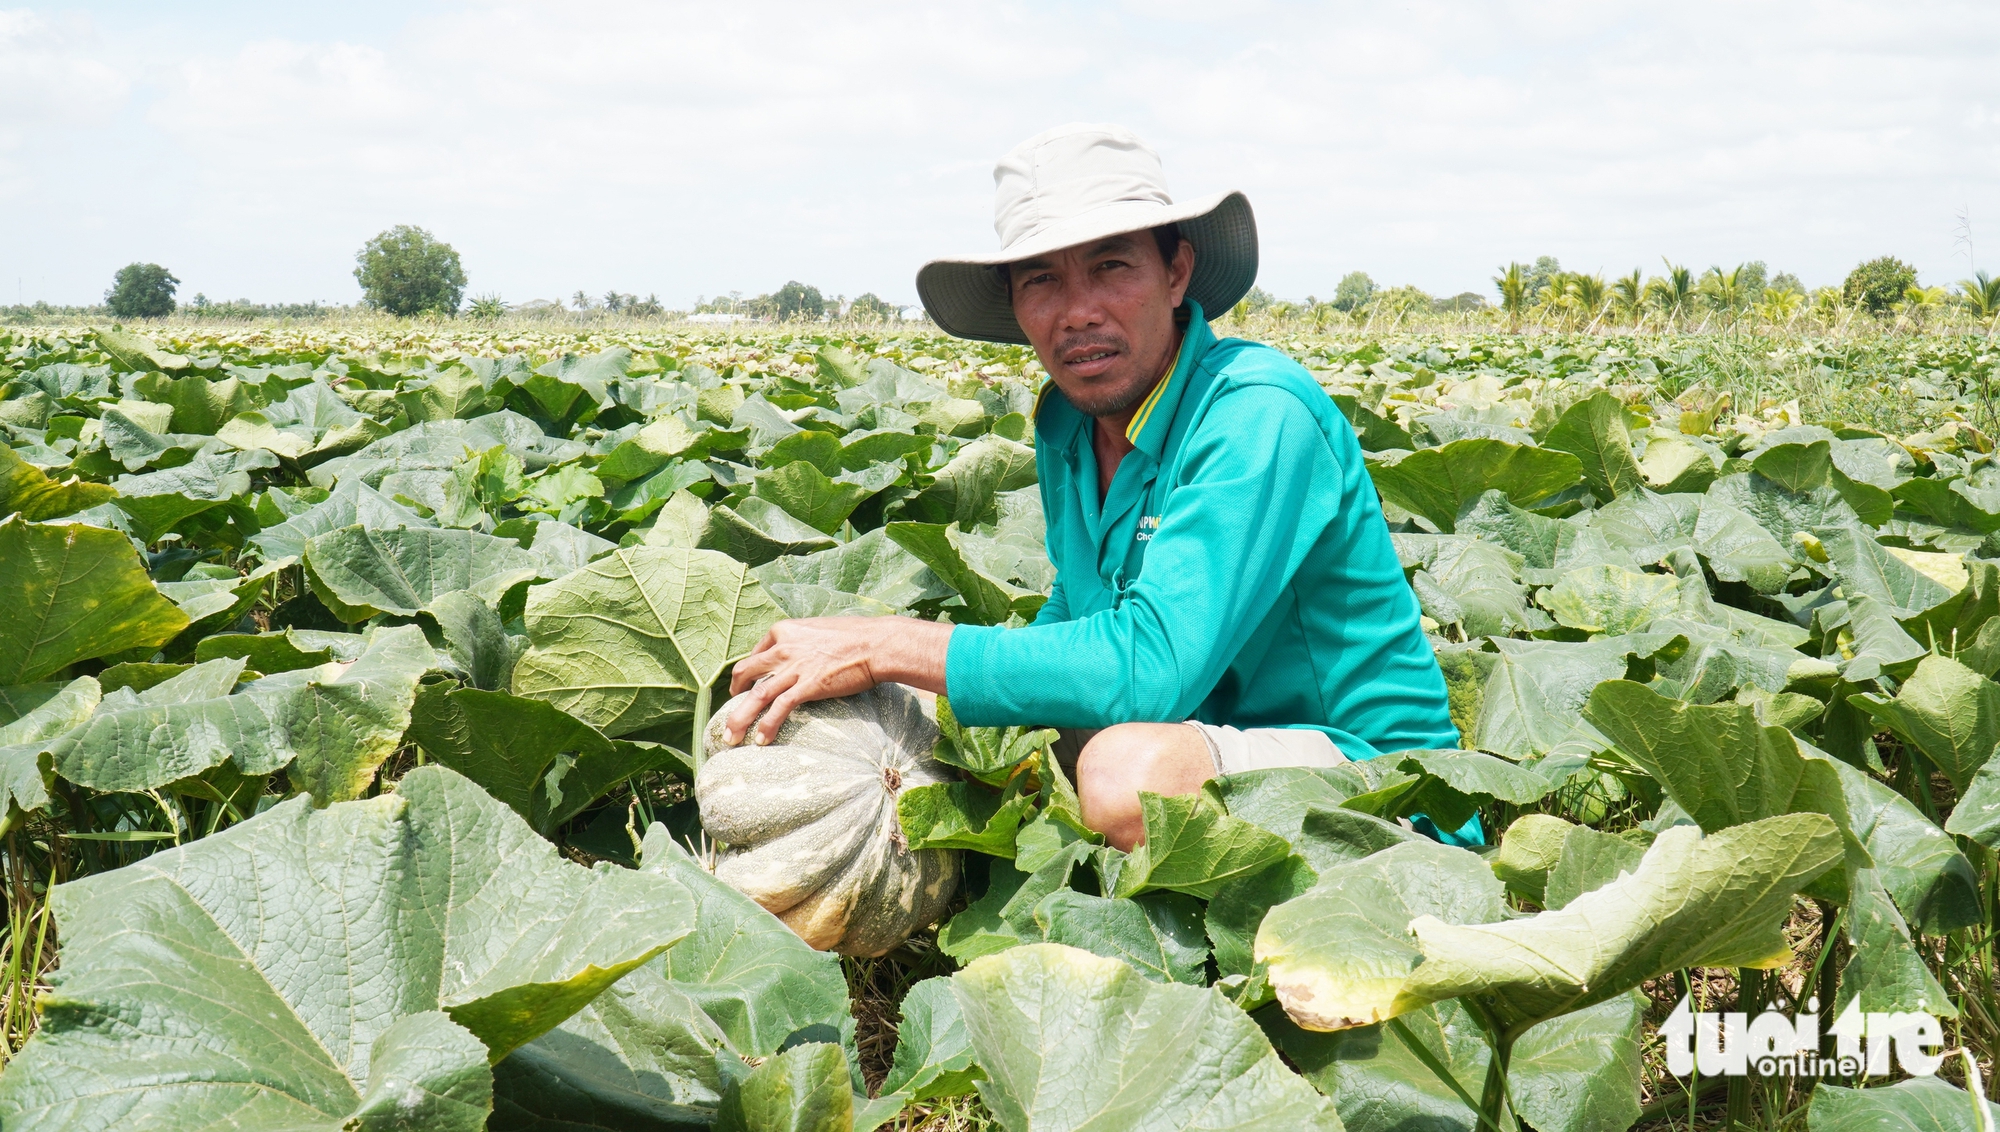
column 1234, row 750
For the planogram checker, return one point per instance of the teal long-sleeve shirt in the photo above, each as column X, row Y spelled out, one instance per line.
column 1238, row 572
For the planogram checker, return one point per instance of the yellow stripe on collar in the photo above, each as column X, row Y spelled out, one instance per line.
column 1146, row 407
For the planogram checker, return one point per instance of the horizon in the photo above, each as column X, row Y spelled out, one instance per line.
column 613, row 146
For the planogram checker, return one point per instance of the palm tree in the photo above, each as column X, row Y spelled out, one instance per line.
column 1591, row 293
column 1628, row 294
column 1513, row 284
column 1779, row 307
column 1724, row 289
column 1982, row 293
column 1919, row 303
column 1673, row 292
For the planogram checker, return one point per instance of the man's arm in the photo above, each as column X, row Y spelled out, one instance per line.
column 1260, row 491
column 821, row 658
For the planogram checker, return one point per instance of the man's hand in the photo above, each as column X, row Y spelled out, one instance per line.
column 823, row 658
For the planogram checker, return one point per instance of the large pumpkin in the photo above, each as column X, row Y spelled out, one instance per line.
column 809, row 822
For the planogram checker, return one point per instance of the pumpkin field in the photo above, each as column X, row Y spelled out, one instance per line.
column 355, row 683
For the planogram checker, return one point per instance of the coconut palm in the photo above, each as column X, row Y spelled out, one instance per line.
column 1920, row 304
column 1628, row 294
column 1982, row 294
column 1673, row 293
column 1513, row 284
column 1778, row 308
column 1591, row 293
column 1724, row 290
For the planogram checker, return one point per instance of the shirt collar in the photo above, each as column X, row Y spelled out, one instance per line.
column 1155, row 419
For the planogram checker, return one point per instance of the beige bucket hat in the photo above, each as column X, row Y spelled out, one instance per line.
column 1074, row 184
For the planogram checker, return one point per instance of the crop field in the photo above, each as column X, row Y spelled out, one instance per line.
column 353, row 684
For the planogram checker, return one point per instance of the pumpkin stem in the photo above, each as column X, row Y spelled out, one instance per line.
column 703, row 699
column 892, row 779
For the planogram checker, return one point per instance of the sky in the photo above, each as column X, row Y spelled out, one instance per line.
column 695, row 150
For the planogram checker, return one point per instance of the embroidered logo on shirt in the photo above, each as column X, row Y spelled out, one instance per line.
column 1147, row 525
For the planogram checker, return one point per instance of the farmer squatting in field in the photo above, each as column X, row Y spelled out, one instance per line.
column 1226, row 594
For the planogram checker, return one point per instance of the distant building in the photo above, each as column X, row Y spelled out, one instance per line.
column 911, row 314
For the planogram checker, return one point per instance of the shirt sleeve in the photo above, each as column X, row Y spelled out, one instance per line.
column 1053, row 611
column 1259, row 484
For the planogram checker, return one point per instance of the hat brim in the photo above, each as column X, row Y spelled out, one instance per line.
column 967, row 298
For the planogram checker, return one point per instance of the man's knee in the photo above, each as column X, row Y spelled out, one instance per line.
column 1120, row 762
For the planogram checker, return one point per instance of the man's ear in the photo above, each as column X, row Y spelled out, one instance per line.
column 1180, row 271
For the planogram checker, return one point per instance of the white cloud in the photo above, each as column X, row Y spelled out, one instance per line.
column 695, row 148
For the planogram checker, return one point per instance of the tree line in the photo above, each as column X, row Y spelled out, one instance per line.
column 405, row 271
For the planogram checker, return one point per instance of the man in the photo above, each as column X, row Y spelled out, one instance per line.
column 1226, row 595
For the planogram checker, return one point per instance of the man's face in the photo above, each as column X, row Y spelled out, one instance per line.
column 1101, row 317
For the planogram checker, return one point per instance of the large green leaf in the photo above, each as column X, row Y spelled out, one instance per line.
column 1548, row 547
column 1532, row 698
column 1885, row 972
column 1192, row 845
column 756, row 530
column 1277, row 799
column 1237, row 911
column 990, row 754
column 1457, row 783
column 1159, row 934
column 1530, row 849
column 1473, row 584
column 1341, row 955
column 640, row 1057
column 1647, row 525
column 752, row 975
column 1918, row 865
column 1948, row 712
column 73, row 592
column 804, row 1089
column 1071, row 1040
column 1739, row 550
column 359, row 572
column 1719, row 762
column 1783, row 514
column 963, row 815
column 331, row 725
column 1694, row 901
column 1867, row 568
column 1576, row 1073
column 158, row 501
column 1589, row 861
column 1676, row 463
column 1004, row 915
column 26, row 489
column 945, row 549
column 1594, row 431
column 24, row 742
column 1438, row 483
column 310, row 967
column 872, row 566
column 351, row 503
column 657, row 1050
column 1610, row 599
column 964, row 489
column 933, row 1055
column 136, row 353
column 546, row 764
column 1921, row 1104
column 625, row 643
column 809, row 496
